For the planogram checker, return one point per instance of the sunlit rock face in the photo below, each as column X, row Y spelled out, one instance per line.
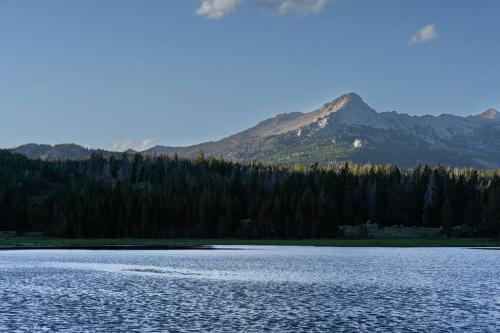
column 357, row 143
column 490, row 114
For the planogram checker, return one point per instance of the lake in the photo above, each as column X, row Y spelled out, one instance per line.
column 251, row 289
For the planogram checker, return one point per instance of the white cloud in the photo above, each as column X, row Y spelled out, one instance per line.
column 127, row 144
column 424, row 35
column 41, row 89
column 146, row 144
column 216, row 9
column 301, row 7
column 123, row 145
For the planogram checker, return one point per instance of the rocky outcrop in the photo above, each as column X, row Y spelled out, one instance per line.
column 464, row 231
column 372, row 230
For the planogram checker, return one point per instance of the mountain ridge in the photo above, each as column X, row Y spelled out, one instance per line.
column 344, row 129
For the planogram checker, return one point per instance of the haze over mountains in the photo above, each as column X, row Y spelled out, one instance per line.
column 346, row 129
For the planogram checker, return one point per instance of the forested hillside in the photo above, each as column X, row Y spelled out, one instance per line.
column 134, row 196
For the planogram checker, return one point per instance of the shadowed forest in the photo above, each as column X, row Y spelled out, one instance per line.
column 164, row 197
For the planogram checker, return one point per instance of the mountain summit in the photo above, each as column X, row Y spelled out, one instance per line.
column 351, row 99
column 345, row 129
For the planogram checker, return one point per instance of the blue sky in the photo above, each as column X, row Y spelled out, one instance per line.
column 124, row 73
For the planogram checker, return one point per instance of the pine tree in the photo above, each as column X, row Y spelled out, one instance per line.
column 493, row 210
column 447, row 217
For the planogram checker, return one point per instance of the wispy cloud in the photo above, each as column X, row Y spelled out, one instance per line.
column 146, row 144
column 123, row 145
column 216, row 9
column 300, row 7
column 41, row 89
column 425, row 34
column 127, row 144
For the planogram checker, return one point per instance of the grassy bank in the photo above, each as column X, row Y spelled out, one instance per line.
column 36, row 240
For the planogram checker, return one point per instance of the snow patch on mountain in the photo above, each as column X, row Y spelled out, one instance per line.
column 323, row 122
column 357, row 143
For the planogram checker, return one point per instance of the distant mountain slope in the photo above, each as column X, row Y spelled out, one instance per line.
column 48, row 152
column 346, row 129
column 68, row 151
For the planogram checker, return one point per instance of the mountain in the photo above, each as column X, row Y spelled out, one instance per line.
column 345, row 129
column 131, row 151
column 48, row 152
column 348, row 129
column 68, row 151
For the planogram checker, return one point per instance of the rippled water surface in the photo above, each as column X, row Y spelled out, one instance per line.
column 251, row 289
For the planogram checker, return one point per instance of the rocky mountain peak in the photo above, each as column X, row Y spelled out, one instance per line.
column 350, row 109
column 349, row 99
column 347, row 103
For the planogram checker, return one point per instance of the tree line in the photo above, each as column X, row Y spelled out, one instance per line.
column 166, row 197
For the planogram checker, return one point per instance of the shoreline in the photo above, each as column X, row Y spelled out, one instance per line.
column 104, row 247
column 38, row 242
